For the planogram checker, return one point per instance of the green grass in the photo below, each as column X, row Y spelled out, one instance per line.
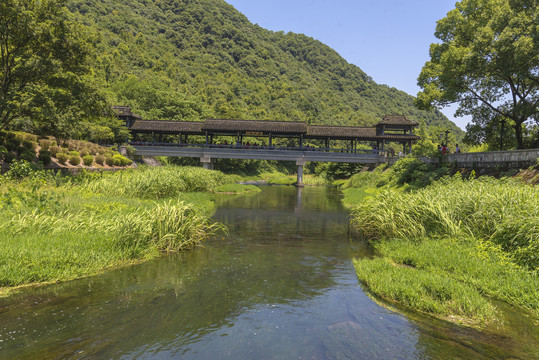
column 424, row 291
column 484, row 269
column 55, row 228
column 237, row 189
column 281, row 179
column 496, row 256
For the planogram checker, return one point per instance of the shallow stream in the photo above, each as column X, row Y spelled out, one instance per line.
column 281, row 286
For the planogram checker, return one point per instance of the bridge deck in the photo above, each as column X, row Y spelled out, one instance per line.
column 298, row 155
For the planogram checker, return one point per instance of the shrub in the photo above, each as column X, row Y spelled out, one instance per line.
column 74, row 153
column 45, row 144
column 100, row 159
column 20, row 150
column 54, row 150
column 12, row 144
column 27, row 155
column 74, row 160
column 44, row 157
column 9, row 157
column 120, row 160
column 71, row 146
column 84, row 152
column 20, row 169
column 29, row 144
column 30, row 137
column 117, row 160
column 88, row 160
column 109, row 161
column 62, row 157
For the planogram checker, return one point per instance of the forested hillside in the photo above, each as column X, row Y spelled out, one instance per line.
column 191, row 59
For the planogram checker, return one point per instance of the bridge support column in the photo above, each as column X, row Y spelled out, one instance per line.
column 300, row 164
column 207, row 163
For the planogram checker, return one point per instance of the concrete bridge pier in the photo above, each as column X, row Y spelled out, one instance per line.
column 207, row 163
column 300, row 164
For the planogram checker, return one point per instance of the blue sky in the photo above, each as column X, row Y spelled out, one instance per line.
column 387, row 39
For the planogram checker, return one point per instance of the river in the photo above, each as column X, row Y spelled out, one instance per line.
column 280, row 286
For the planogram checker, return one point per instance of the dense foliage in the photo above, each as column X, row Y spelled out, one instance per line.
column 46, row 81
column 187, row 60
column 488, row 62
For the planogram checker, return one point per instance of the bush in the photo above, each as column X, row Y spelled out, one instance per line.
column 54, row 150
column 84, row 152
column 30, row 137
column 88, row 160
column 45, row 144
column 109, row 161
column 44, row 157
column 100, row 159
column 117, row 160
column 27, row 155
column 9, row 157
column 74, row 160
column 74, row 153
column 20, row 169
column 30, row 145
column 62, row 157
column 120, row 160
column 12, row 144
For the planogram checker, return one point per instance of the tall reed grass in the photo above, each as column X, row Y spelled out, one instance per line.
column 504, row 213
column 477, row 237
column 54, row 228
column 157, row 182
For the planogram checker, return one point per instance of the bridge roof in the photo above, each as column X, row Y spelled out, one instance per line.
column 161, row 126
column 400, row 120
column 125, row 111
column 262, row 126
column 340, row 132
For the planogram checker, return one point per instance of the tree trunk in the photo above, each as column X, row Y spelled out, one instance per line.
column 518, row 134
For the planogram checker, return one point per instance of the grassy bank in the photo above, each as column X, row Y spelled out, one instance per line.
column 451, row 247
column 56, row 228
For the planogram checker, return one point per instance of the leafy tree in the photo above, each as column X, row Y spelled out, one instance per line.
column 488, row 62
column 44, row 61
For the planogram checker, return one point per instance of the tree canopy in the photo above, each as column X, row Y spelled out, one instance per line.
column 487, row 61
column 44, row 71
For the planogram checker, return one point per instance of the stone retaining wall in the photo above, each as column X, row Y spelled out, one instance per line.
column 512, row 159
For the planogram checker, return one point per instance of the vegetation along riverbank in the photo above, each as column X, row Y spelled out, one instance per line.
column 56, row 227
column 448, row 245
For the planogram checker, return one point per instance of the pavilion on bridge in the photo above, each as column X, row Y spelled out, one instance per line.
column 392, row 128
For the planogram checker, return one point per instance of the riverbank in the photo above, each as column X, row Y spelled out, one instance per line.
column 448, row 247
column 57, row 228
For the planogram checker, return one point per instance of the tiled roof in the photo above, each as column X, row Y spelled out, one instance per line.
column 167, row 126
column 265, row 126
column 125, row 111
column 340, row 132
column 397, row 120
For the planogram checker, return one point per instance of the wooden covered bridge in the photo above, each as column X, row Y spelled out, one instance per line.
column 267, row 140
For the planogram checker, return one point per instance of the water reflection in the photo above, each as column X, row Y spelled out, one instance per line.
column 281, row 286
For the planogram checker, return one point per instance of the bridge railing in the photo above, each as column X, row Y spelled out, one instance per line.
column 255, row 147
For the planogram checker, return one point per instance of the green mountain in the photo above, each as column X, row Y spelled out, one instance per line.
column 193, row 59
